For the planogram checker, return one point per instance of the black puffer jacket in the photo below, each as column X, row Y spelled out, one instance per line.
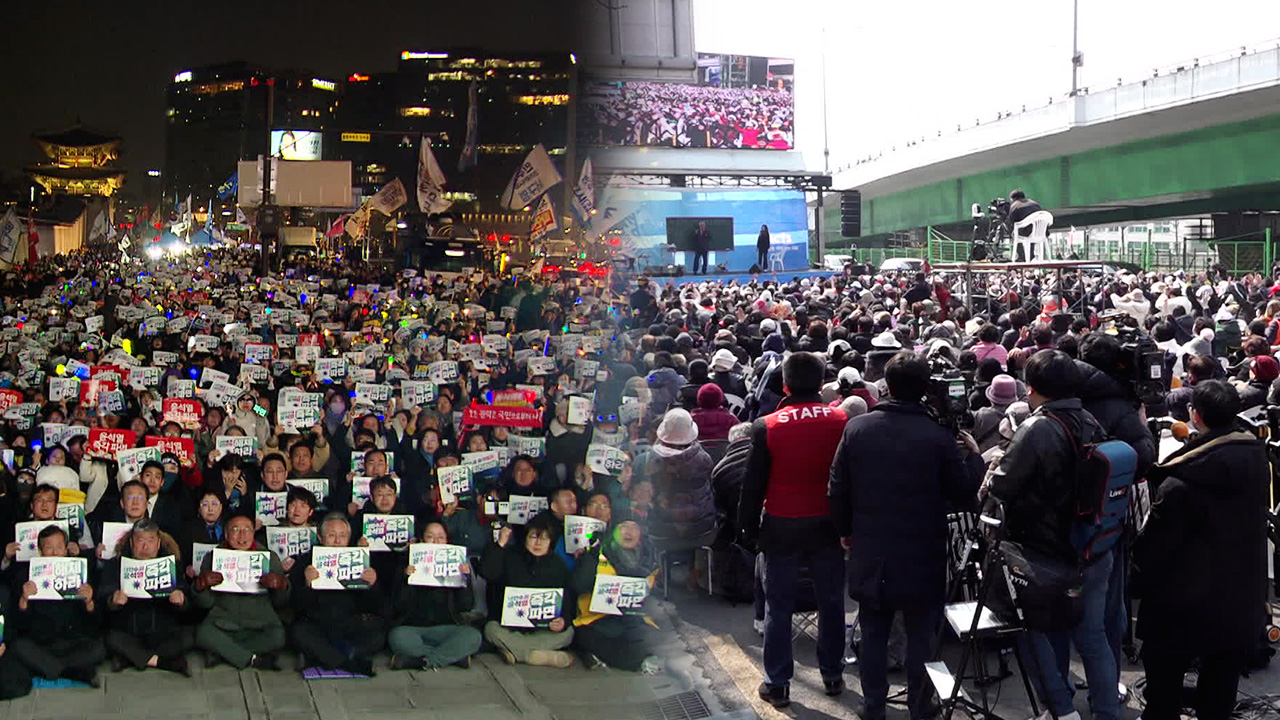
column 1035, row 481
column 1110, row 403
column 1200, row 560
column 137, row 616
column 513, row 566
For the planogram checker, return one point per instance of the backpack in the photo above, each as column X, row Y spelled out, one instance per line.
column 1105, row 475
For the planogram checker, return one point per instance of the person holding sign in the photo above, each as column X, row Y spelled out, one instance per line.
column 621, row 639
column 205, row 528
column 338, row 629
column 429, row 628
column 530, row 564
column 146, row 632
column 132, row 508
column 242, row 628
column 58, row 639
column 163, row 506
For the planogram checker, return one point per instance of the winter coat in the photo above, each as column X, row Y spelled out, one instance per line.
column 892, row 499
column 1035, row 482
column 1200, row 562
column 336, row 610
column 421, row 606
column 143, row 617
column 1111, row 404
column 237, row 611
column 684, row 505
column 713, row 423
column 513, row 566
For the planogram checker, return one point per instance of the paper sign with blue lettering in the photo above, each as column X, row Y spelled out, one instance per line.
column 146, row 579
column 531, row 607
column 340, row 568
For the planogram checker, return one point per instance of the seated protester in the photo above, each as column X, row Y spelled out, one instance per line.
column 530, row 564
column 1199, row 369
column 382, row 501
column 58, row 639
column 300, row 508
column 1001, row 393
column 600, row 507
column 163, row 507
column 242, row 629
column 338, row 629
column 229, row 479
column 727, row 477
column 375, row 466
column 132, row 508
column 43, row 505
column 564, row 501
column 430, row 631
column 206, row 528
column 145, row 632
column 711, row 416
column 1263, row 371
column 461, row 518
column 624, row 642
column 566, row 447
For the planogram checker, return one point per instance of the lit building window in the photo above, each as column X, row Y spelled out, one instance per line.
column 415, row 112
column 218, row 87
column 562, row 99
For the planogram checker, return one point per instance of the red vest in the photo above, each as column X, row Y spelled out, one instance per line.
column 802, row 440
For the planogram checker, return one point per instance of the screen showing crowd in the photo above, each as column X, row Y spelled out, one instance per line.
column 737, row 102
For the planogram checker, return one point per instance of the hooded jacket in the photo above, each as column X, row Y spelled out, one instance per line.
column 1200, row 560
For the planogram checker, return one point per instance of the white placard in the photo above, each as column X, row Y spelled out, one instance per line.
column 26, row 534
column 437, row 565
column 241, row 570
column 521, row 508
column 580, row 532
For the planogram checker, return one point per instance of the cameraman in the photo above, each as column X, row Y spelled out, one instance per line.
column 1020, row 208
column 1114, row 404
column 890, row 501
column 1035, row 482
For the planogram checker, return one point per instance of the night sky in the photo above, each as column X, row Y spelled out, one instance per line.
column 109, row 62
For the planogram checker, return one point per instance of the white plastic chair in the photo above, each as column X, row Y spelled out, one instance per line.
column 776, row 254
column 1039, row 222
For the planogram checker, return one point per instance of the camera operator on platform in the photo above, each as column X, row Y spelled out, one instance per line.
column 890, row 501
column 1020, row 208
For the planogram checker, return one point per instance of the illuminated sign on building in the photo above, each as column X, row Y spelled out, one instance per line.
column 323, row 84
column 184, row 76
column 406, row 55
column 356, row 137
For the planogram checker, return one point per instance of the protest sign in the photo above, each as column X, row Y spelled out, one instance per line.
column 502, row 416
column 221, row 393
column 580, row 409
column 112, row 534
column 581, row 532
column 269, row 507
column 290, row 541
column 388, row 532
column 541, row 366
column 606, row 460
column 110, row 402
column 414, row 392
column 52, row 433
column 187, row 413
column 254, row 374
column 521, row 508
column 202, row 343
column 160, row 357
column 585, row 369
column 374, row 393
column 143, row 377
column 209, row 375
column 105, row 443
column 259, row 353
column 437, row 565
column 90, row 390
column 73, row 514
column 241, row 570
column 340, row 568
column 619, row 595
column 198, row 553
column 297, row 419
column 308, row 348
column 316, row 486
column 184, row 448
column 331, row 369
column 57, row 578
column 443, row 372
column 112, row 373
column 63, row 388
column 243, row 445
column 181, row 388
column 26, row 534
column 455, row 482
column 481, row 461
column 146, row 579
column 534, row 447
column 531, row 607
column 129, row 461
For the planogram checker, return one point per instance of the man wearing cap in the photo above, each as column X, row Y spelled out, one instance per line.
column 785, row 505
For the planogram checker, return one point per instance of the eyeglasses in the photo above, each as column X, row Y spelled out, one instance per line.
column 239, row 530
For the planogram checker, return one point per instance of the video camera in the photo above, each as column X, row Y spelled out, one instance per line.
column 990, row 228
column 948, row 395
column 1141, row 364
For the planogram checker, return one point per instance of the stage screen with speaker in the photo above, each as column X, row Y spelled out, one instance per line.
column 680, row 232
column 638, row 221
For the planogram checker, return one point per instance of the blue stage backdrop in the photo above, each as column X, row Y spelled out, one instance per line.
column 638, row 217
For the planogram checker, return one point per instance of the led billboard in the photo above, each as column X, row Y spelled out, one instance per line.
column 295, row 144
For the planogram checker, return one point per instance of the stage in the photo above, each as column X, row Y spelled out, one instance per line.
column 782, row 276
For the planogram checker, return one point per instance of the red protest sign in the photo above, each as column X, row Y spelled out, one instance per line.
column 9, row 398
column 106, row 372
column 187, row 413
column 90, row 389
column 502, row 416
column 514, row 398
column 184, row 448
column 105, row 442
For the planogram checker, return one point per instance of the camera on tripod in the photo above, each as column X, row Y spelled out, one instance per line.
column 948, row 395
column 990, row 229
column 1141, row 364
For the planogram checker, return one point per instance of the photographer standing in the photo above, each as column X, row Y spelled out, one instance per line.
column 1200, row 560
column 787, row 472
column 1036, row 483
column 890, row 500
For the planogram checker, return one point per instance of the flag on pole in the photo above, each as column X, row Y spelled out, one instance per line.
column 584, row 194
column 338, row 226
column 230, row 186
column 544, row 220
column 536, row 175
column 190, row 214
column 208, row 220
column 240, row 216
column 101, row 227
column 468, row 157
column 359, row 221
column 389, row 198
column 430, row 180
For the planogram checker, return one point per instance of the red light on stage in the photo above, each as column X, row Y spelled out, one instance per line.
column 493, row 237
column 506, row 238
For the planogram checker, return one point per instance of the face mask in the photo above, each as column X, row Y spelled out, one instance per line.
column 169, row 479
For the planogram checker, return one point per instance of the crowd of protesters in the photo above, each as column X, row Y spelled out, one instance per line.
column 679, row 115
